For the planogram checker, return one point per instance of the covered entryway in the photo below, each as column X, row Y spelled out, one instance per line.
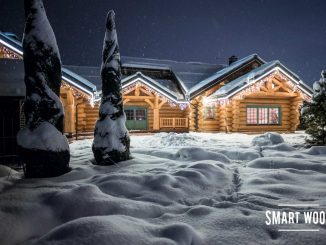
column 136, row 118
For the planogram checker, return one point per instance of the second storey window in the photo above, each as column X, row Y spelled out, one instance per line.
column 263, row 115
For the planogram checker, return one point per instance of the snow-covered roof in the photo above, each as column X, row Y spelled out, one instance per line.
column 179, row 80
column 153, row 84
column 186, row 74
column 173, row 75
column 68, row 76
column 11, row 43
column 222, row 73
column 258, row 73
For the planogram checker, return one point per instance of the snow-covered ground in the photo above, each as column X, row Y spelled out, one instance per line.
column 191, row 188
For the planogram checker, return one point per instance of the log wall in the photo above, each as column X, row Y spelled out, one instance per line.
column 289, row 114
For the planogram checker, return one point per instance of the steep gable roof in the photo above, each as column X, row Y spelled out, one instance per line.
column 68, row 76
column 186, row 74
column 258, row 73
column 171, row 94
column 222, row 74
column 180, row 81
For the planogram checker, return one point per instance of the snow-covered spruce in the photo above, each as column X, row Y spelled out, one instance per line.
column 43, row 147
column 314, row 113
column 111, row 139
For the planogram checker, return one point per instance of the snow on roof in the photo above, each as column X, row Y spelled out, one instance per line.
column 182, row 79
column 78, row 78
column 11, row 43
column 67, row 75
column 187, row 73
column 178, row 76
column 168, row 92
column 258, row 73
column 222, row 73
column 90, row 73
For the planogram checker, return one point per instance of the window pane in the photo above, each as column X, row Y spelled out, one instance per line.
column 262, row 115
column 274, row 116
column 140, row 115
column 209, row 112
column 251, row 115
column 129, row 114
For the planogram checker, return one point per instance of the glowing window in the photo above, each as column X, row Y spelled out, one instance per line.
column 263, row 115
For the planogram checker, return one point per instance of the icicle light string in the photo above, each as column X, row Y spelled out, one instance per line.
column 133, row 86
column 8, row 54
column 77, row 94
column 256, row 88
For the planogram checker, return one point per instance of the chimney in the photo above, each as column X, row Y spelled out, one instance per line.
column 232, row 59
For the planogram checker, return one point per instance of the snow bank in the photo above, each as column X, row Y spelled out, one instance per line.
column 279, row 147
column 116, row 229
column 317, row 150
column 173, row 139
column 282, row 162
column 240, row 154
column 169, row 140
column 44, row 137
column 267, row 139
column 195, row 153
column 6, row 171
column 168, row 195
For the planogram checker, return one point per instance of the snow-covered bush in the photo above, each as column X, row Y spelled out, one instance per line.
column 314, row 113
column 267, row 139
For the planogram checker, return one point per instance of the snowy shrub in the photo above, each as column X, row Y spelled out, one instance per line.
column 314, row 113
column 267, row 139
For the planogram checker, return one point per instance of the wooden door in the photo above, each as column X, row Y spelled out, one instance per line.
column 136, row 118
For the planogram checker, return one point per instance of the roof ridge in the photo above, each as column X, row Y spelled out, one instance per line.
column 224, row 71
column 174, row 61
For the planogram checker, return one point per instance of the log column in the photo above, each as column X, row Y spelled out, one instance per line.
column 236, row 115
column 294, row 113
column 156, row 111
column 70, row 113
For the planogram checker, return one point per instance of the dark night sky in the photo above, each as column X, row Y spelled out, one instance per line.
column 293, row 32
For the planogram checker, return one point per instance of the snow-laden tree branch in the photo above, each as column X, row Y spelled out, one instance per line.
column 314, row 113
column 111, row 139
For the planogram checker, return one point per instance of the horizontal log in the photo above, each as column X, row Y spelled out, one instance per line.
column 210, row 128
column 81, row 115
column 210, row 122
column 264, row 102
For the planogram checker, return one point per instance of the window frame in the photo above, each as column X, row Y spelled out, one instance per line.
column 268, row 107
column 213, row 108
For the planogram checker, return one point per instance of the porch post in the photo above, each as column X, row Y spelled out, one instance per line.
column 69, row 113
column 156, row 111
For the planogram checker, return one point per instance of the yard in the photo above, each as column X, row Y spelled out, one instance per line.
column 195, row 188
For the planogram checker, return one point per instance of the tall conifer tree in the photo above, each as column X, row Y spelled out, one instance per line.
column 111, row 138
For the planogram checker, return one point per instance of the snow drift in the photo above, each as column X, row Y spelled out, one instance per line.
column 168, row 194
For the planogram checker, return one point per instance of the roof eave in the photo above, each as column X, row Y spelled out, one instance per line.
column 214, row 82
column 152, row 84
column 16, row 47
column 278, row 66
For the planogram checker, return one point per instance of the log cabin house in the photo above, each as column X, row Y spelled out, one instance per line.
column 246, row 95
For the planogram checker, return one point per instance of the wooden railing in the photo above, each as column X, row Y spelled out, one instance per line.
column 173, row 122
